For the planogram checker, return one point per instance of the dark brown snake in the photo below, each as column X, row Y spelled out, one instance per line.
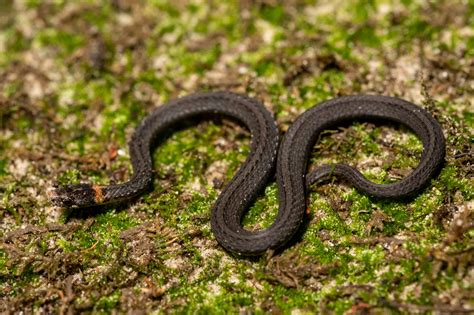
column 254, row 174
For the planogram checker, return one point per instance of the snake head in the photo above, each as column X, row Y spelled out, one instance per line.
column 75, row 196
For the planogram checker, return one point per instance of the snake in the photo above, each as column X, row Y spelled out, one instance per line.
column 287, row 158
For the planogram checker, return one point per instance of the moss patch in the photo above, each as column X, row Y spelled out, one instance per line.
column 77, row 77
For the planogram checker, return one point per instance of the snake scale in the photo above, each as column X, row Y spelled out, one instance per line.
column 290, row 158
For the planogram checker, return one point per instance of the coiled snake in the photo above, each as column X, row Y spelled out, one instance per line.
column 255, row 172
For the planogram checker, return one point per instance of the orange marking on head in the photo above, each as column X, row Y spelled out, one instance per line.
column 98, row 194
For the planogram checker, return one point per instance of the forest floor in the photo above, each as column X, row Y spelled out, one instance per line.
column 76, row 77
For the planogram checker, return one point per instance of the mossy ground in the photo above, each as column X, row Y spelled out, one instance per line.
column 76, row 78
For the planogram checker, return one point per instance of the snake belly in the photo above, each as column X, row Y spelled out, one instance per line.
column 291, row 164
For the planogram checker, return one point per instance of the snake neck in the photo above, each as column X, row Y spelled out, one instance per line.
column 138, row 184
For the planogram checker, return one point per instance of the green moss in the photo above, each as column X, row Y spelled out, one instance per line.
column 289, row 299
column 164, row 204
column 469, row 117
column 274, row 14
column 69, row 177
column 4, row 270
column 15, row 41
column 3, row 167
column 112, row 222
column 67, row 42
column 320, row 88
column 175, row 49
column 197, row 210
column 263, row 213
column 11, row 88
column 106, row 303
column 397, row 216
column 449, row 182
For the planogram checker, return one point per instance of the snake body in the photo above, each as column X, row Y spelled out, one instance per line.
column 255, row 172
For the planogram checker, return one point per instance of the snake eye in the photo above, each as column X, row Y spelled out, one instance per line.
column 73, row 196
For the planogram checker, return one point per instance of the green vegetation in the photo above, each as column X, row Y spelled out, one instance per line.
column 77, row 77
